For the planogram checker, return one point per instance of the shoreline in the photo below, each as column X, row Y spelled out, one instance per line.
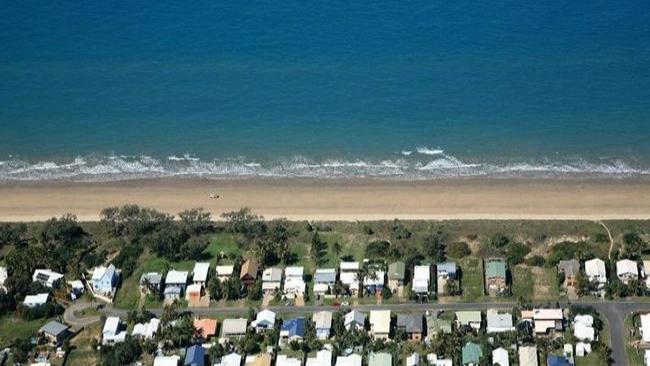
column 340, row 199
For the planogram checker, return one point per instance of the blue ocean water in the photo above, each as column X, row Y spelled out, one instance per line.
column 417, row 89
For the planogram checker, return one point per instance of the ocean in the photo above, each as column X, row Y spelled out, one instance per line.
column 407, row 90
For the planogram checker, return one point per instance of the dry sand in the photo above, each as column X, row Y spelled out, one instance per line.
column 358, row 199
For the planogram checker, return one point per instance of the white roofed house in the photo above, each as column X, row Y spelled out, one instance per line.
column 323, row 324
column 548, row 319
column 583, row 328
column 271, row 280
column 285, row 360
column 200, row 273
column 35, row 301
column 113, row 332
column 324, row 279
column 349, row 276
column 499, row 322
column 232, row 359
column 645, row 328
column 175, row 284
column 351, row 360
column 374, row 281
column 627, row 270
column 47, row 277
column 104, row 280
column 646, row 273
column 294, row 283
column 528, row 356
column 3, row 278
column 354, row 320
column 380, row 324
column 421, row 279
column 323, row 358
column 500, row 357
column 146, row 330
column 264, row 320
column 596, row 274
column 234, row 328
column 224, row 272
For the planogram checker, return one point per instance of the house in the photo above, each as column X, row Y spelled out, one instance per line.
column 596, row 274
column 645, row 328
column 421, row 278
column 55, row 333
column 528, row 356
column 413, row 360
column 150, row 281
column 112, row 332
column 294, row 283
column 499, row 322
column 293, row 329
column 34, row 301
column 437, row 325
column 354, row 320
column 554, row 360
column 248, row 273
column 323, row 324
column 548, row 319
column 349, row 276
column 271, row 280
column 583, row 349
column 258, row 360
column 223, row 273
column 285, row 360
column 194, row 356
column 193, row 292
column 627, row 270
column 166, row 361
column 205, row 328
column 3, row 278
column 324, row 279
column 469, row 318
column 380, row 324
column 411, row 324
column 396, row 275
column 47, row 278
column 77, row 289
column 500, row 357
column 374, row 281
column 645, row 271
column 380, row 359
column 200, row 273
column 445, row 272
column 471, row 353
column 495, row 276
column 232, row 359
column 323, row 358
column 234, row 328
column 146, row 330
column 433, row 360
column 351, row 360
column 175, row 284
column 104, row 280
column 583, row 329
column 264, row 320
column 570, row 269
column 646, row 357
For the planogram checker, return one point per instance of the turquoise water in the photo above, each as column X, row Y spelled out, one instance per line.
column 419, row 89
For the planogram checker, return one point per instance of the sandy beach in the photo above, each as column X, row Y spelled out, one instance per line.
column 358, row 199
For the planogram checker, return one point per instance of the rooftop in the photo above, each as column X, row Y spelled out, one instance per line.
column 495, row 269
column 176, row 277
column 200, row 272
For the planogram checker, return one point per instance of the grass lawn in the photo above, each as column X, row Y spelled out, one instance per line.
column 12, row 327
column 82, row 352
column 222, row 242
column 636, row 359
column 472, row 280
column 522, row 282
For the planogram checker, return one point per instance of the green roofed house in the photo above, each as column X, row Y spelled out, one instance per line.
column 469, row 318
column 380, row 359
column 495, row 276
column 472, row 353
column 396, row 275
column 437, row 325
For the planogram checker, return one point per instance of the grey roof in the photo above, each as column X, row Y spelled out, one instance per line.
column 324, row 276
column 412, row 323
column 154, row 278
column 54, row 328
column 569, row 267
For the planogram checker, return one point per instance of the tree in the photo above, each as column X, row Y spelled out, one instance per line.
column 12, row 234
column 196, row 221
column 400, row 232
column 318, row 247
column 133, row 220
column 337, row 249
column 434, row 246
column 516, row 252
column 377, row 249
column 215, row 289
column 245, row 222
column 193, row 248
column 458, row 250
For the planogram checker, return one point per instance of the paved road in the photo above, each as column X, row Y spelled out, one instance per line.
column 75, row 321
column 614, row 311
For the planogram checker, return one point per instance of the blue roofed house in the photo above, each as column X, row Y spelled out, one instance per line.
column 104, row 280
column 195, row 356
column 293, row 329
column 554, row 360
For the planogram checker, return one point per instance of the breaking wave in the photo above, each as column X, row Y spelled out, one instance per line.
column 428, row 165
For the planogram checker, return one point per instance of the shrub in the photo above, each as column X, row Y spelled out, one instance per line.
column 458, row 250
column 536, row 260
